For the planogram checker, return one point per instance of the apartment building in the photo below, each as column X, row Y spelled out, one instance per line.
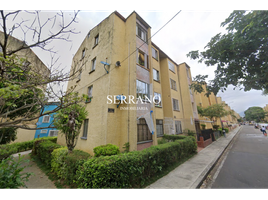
column 204, row 101
column 118, row 58
column 36, row 66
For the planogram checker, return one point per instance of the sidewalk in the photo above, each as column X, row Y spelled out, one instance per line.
column 190, row 174
column 39, row 179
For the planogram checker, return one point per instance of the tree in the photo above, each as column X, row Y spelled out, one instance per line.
column 69, row 121
column 26, row 84
column 213, row 112
column 255, row 113
column 241, row 54
column 7, row 135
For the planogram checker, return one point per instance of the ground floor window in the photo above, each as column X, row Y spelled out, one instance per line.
column 144, row 133
column 178, row 127
column 53, row 133
column 159, row 127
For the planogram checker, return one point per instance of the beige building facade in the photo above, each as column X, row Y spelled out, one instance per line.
column 117, row 57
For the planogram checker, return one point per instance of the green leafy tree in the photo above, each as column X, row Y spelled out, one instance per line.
column 240, row 55
column 26, row 84
column 213, row 112
column 7, row 135
column 255, row 113
column 69, row 121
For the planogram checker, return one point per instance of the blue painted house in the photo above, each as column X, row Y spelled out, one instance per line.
column 46, row 121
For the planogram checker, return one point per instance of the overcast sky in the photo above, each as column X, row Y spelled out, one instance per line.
column 190, row 30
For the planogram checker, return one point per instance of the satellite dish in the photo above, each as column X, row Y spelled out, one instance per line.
column 120, row 97
column 105, row 63
column 117, row 64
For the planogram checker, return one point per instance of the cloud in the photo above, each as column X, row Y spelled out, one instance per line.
column 189, row 30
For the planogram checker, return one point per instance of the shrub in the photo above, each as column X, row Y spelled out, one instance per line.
column 73, row 161
column 189, row 132
column 216, row 127
column 9, row 149
column 174, row 137
column 162, row 141
column 134, row 168
column 43, row 149
column 106, row 150
column 226, row 130
column 126, row 147
column 57, row 160
column 65, row 165
column 10, row 173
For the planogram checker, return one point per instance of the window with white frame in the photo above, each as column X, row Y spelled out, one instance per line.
column 157, row 99
column 53, row 133
column 156, row 75
column 141, row 33
column 46, row 119
column 142, row 59
column 89, row 91
column 173, row 84
column 159, row 127
column 178, row 128
column 175, row 103
column 96, row 40
column 43, row 131
column 83, row 53
column 154, row 53
column 93, row 64
column 142, row 89
column 85, row 129
column 171, row 66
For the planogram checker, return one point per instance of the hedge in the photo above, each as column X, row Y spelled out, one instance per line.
column 8, row 149
column 65, row 165
column 106, row 150
column 43, row 149
column 135, row 168
column 174, row 137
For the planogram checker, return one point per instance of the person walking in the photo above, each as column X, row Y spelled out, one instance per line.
column 263, row 130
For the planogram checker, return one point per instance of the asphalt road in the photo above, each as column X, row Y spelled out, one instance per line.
column 246, row 163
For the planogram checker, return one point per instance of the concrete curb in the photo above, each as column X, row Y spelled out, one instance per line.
column 190, row 174
column 210, row 166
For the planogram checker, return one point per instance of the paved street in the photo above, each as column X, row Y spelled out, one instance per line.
column 246, row 163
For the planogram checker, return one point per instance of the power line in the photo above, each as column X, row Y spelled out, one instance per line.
column 152, row 35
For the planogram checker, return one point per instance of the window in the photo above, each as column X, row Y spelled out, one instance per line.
column 154, row 53
column 143, row 131
column 85, row 129
column 79, row 75
column 171, row 66
column 53, row 133
column 83, row 53
column 187, row 70
column 175, row 104
column 173, row 84
column 142, row 59
column 190, row 90
column 46, row 119
column 178, row 128
column 142, row 89
column 89, row 93
column 157, row 99
column 159, row 127
column 156, row 75
column 96, row 40
column 141, row 33
column 93, row 64
column 43, row 131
